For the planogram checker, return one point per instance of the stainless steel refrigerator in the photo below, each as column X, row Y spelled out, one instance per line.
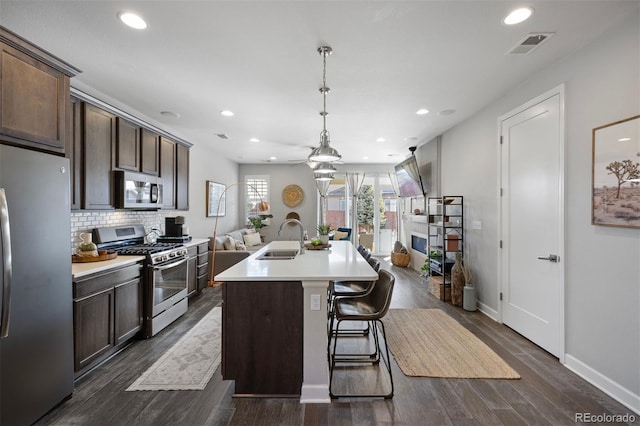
column 36, row 328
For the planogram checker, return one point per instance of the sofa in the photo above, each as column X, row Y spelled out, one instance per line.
column 232, row 247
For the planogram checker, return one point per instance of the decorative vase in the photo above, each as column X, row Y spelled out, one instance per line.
column 469, row 298
column 87, row 247
column 324, row 239
column 457, row 281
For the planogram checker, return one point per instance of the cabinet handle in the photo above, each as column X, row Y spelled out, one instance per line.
column 6, row 264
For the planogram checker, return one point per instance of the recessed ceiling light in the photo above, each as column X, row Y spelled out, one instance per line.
column 381, row 140
column 447, row 112
column 365, row 158
column 132, row 20
column 170, row 114
column 518, row 15
column 227, row 113
column 624, row 139
column 422, row 111
column 254, row 140
column 273, row 158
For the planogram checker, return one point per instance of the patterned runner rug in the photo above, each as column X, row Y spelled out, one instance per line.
column 429, row 343
column 190, row 363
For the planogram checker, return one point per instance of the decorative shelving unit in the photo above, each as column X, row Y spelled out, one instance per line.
column 446, row 235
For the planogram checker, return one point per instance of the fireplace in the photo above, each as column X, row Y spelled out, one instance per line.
column 419, row 246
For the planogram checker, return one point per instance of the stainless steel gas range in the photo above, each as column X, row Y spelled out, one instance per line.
column 165, row 273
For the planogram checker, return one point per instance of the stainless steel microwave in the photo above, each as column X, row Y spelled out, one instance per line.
column 137, row 191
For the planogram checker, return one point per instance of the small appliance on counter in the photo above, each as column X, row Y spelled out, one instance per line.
column 174, row 231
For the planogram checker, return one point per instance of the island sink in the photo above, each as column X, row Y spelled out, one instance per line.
column 278, row 255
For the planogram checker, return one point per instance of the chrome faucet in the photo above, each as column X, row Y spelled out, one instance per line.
column 297, row 222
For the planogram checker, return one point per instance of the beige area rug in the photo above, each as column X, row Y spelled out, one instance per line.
column 429, row 343
column 190, row 363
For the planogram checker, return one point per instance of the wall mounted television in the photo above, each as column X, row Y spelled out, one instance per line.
column 409, row 180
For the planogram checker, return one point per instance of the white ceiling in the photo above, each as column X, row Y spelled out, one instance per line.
column 259, row 59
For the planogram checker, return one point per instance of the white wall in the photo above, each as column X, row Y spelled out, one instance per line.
column 206, row 164
column 602, row 287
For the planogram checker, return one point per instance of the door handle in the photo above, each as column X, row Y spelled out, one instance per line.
column 5, row 240
column 551, row 258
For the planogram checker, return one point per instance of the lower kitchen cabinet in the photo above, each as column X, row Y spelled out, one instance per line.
column 198, row 268
column 107, row 313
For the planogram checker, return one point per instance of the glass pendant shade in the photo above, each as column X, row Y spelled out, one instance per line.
column 324, row 168
column 323, row 177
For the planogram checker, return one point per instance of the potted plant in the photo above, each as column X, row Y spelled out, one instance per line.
column 425, row 270
column 323, row 232
column 257, row 221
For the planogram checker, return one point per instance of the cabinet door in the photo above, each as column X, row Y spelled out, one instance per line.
column 74, row 150
column 93, row 327
column 128, row 146
column 128, row 310
column 192, row 278
column 34, row 99
column 150, row 148
column 182, row 178
column 168, row 172
column 99, row 138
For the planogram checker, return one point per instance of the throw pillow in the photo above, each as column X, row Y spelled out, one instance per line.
column 240, row 246
column 250, row 231
column 219, row 243
column 338, row 235
column 252, row 239
column 229, row 243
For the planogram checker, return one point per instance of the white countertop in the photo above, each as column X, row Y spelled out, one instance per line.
column 339, row 262
column 81, row 269
column 196, row 241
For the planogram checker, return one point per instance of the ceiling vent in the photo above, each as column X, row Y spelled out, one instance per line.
column 529, row 43
column 222, row 136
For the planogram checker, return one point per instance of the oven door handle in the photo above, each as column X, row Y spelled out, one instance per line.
column 170, row 265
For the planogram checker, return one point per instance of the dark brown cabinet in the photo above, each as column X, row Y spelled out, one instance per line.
column 73, row 151
column 98, row 145
column 34, row 95
column 107, row 313
column 203, row 265
column 150, row 152
column 127, row 145
column 182, row 177
column 168, row 172
column 198, row 268
column 262, row 331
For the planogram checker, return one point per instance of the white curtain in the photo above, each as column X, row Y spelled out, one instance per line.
column 394, row 183
column 354, row 182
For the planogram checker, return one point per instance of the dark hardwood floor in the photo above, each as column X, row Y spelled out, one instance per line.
column 547, row 394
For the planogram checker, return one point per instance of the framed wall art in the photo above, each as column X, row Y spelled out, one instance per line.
column 616, row 174
column 216, row 199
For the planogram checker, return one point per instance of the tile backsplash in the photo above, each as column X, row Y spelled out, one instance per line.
column 85, row 221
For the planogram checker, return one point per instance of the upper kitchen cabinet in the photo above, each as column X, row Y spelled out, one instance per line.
column 168, row 172
column 98, row 145
column 34, row 95
column 182, row 177
column 150, row 150
column 127, row 145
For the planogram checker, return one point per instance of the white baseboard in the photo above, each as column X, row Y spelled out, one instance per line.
column 491, row 313
column 605, row 384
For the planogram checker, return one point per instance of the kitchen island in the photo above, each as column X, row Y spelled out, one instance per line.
column 275, row 319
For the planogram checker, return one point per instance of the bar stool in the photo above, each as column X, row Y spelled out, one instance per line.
column 371, row 307
column 351, row 288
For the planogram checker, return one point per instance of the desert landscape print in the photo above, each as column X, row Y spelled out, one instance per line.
column 616, row 174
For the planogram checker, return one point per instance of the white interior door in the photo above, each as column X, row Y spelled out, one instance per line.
column 532, row 224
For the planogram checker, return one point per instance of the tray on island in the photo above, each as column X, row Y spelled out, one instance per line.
column 318, row 247
column 102, row 255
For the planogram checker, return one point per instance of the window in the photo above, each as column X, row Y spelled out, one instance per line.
column 252, row 198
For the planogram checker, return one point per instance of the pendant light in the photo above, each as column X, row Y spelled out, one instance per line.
column 324, row 168
column 324, row 153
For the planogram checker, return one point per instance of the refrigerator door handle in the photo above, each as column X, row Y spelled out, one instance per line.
column 5, row 240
